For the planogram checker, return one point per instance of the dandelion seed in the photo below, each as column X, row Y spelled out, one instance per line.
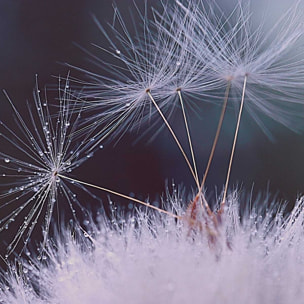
column 152, row 62
column 248, row 62
column 44, row 149
column 38, row 179
column 153, row 74
column 272, row 60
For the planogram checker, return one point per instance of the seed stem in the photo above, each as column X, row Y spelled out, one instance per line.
column 121, row 195
column 234, row 144
column 188, row 134
column 219, row 126
column 174, row 136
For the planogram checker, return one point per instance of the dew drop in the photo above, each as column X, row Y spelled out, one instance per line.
column 6, row 160
column 89, row 155
column 117, row 52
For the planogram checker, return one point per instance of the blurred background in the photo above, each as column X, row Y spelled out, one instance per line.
column 40, row 37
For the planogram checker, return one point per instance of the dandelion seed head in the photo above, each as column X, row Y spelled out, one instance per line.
column 31, row 179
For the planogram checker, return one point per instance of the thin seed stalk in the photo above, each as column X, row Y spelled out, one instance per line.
column 188, row 133
column 219, row 127
column 234, row 144
column 120, row 195
column 174, row 136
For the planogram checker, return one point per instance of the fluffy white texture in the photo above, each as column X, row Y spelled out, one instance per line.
column 153, row 259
